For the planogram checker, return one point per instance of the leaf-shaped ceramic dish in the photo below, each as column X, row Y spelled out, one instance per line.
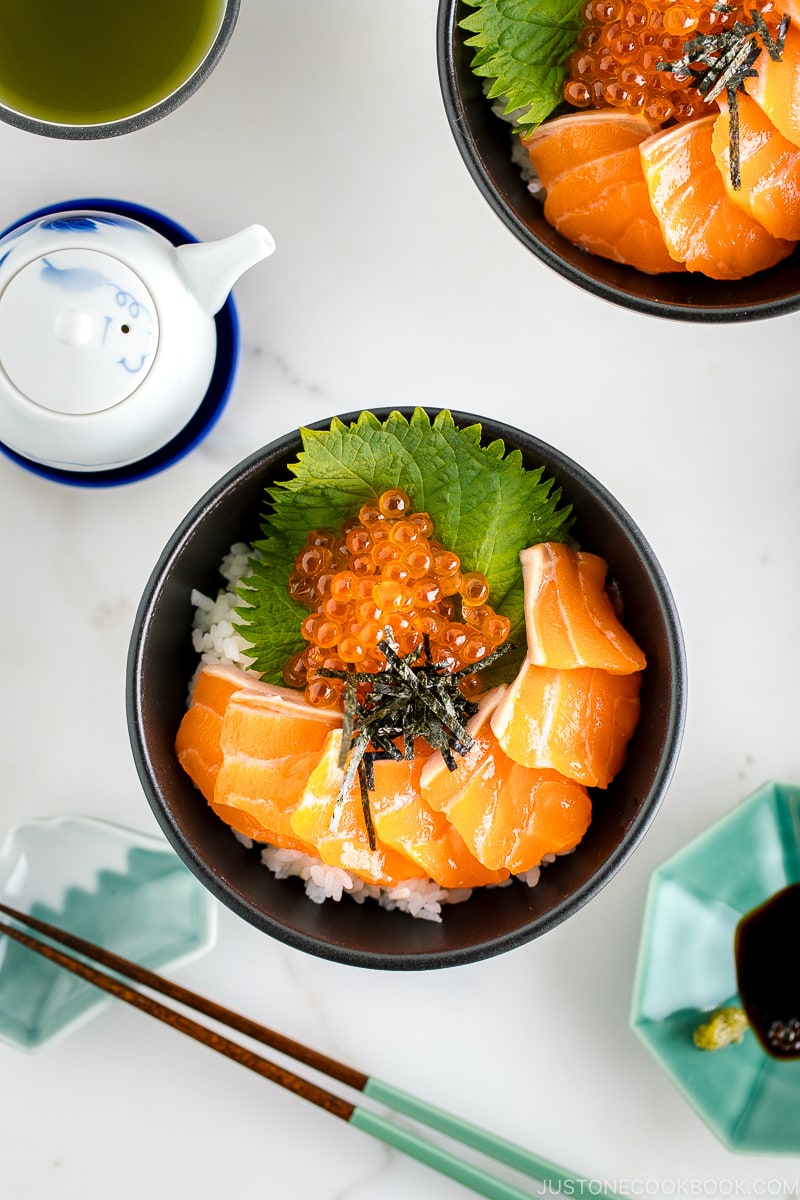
column 687, row 969
column 125, row 891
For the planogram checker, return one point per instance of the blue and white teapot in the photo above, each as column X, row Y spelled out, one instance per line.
column 107, row 334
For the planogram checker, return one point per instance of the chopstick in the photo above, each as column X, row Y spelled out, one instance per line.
column 409, row 1143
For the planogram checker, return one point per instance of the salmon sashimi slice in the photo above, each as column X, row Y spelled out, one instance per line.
column 270, row 741
column 535, row 814
column 438, row 783
column 338, row 831
column 404, row 820
column 572, row 141
column 604, row 208
column 700, row 224
column 791, row 9
column 776, row 86
column 275, row 723
column 769, row 170
column 569, row 618
column 577, row 722
column 197, row 740
column 596, row 195
column 509, row 815
column 241, row 822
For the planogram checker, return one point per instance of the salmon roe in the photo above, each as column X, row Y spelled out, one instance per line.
column 622, row 42
column 384, row 568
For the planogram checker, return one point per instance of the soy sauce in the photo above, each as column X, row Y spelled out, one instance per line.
column 767, row 949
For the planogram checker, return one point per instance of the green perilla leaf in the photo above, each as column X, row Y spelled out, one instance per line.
column 523, row 46
column 485, row 505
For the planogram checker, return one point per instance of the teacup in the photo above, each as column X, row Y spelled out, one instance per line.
column 99, row 69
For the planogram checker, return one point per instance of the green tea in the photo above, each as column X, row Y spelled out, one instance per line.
column 92, row 61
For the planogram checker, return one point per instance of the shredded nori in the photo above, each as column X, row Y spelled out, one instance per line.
column 717, row 62
column 407, row 700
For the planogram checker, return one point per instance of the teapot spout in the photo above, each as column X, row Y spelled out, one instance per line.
column 211, row 268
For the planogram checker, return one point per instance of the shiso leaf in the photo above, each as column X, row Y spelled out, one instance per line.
column 485, row 505
column 522, row 45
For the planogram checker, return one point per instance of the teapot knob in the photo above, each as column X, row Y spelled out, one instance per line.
column 73, row 328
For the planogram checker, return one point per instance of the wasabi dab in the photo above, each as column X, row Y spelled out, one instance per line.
column 727, row 1025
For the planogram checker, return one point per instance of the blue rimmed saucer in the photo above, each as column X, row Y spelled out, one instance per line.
column 687, row 969
column 216, row 396
column 123, row 890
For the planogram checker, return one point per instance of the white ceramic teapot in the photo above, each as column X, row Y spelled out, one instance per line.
column 107, row 334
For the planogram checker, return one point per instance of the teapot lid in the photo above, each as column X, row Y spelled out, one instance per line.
column 79, row 331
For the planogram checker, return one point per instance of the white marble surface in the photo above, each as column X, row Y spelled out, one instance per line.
column 392, row 283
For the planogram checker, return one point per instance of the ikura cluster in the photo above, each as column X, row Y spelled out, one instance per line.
column 385, row 569
column 623, row 41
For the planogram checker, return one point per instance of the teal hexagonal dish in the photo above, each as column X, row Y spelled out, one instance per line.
column 686, row 969
column 126, row 891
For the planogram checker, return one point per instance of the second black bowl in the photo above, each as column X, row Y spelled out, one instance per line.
column 485, row 140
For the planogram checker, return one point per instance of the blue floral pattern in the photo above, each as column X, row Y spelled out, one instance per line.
column 80, row 223
column 138, row 322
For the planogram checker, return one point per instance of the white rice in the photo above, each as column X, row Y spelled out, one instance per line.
column 213, row 634
column 420, row 897
column 519, row 155
column 216, row 640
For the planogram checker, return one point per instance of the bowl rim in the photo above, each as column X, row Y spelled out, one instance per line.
column 285, row 446
column 458, row 119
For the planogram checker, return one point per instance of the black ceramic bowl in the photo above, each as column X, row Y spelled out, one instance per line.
column 161, row 661
column 484, row 141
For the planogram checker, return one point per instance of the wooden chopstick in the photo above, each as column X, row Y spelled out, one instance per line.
column 174, row 991
column 193, row 1029
column 365, row 1119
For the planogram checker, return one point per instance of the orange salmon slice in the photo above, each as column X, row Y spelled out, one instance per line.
column 510, row 816
column 569, row 619
column 577, row 722
column 338, row 833
column 579, row 138
column 776, row 86
column 199, row 748
column 769, row 168
column 596, row 195
column 270, row 742
column 197, row 740
column 406, row 822
column 700, row 224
